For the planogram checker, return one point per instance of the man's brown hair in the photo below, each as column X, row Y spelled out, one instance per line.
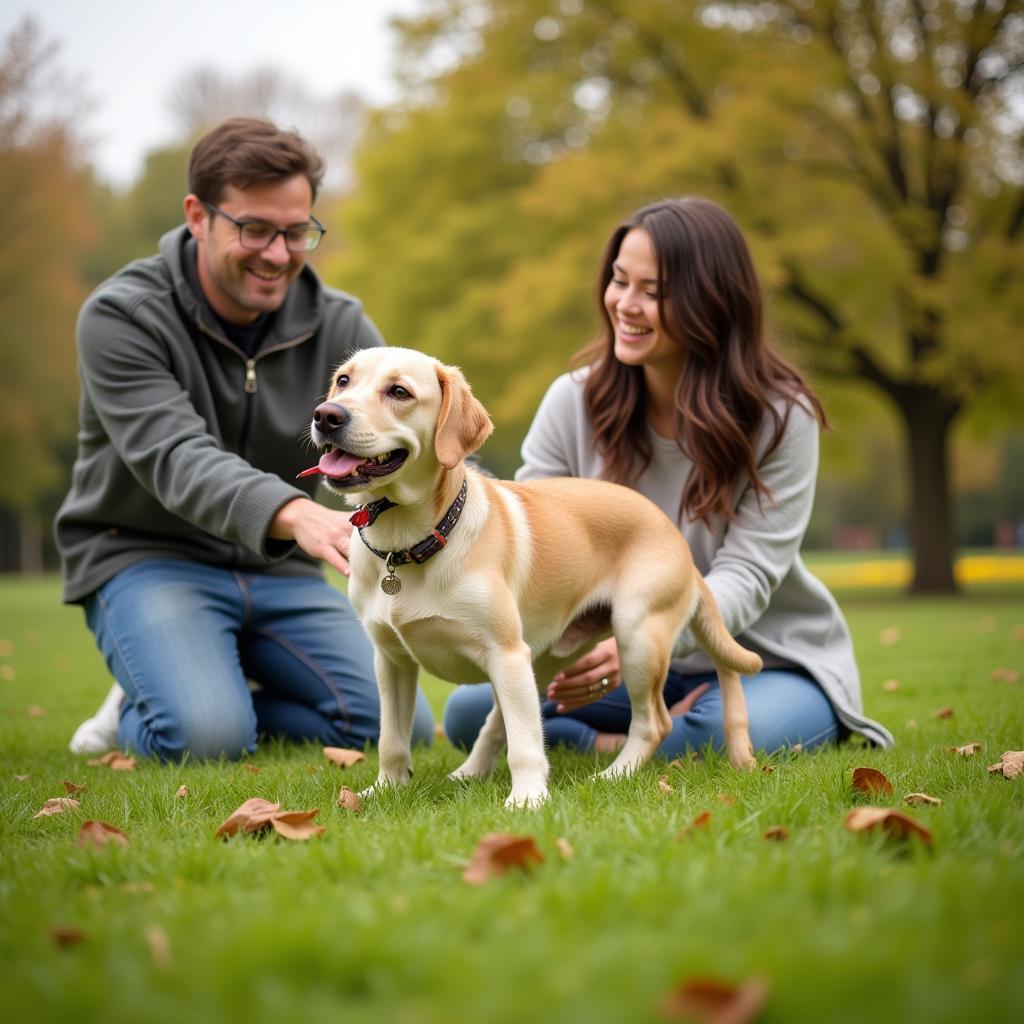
column 244, row 151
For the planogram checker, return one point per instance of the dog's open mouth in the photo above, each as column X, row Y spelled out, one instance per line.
column 345, row 470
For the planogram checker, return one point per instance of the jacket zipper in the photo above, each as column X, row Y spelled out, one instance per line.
column 250, row 363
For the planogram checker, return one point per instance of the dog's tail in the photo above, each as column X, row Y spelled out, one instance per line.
column 712, row 636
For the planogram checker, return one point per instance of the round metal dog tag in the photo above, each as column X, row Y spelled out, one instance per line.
column 391, row 584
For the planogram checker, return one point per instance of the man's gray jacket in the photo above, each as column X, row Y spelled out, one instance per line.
column 187, row 447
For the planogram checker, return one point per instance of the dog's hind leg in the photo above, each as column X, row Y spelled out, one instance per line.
column 644, row 647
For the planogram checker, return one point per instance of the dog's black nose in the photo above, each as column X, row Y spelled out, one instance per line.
column 327, row 416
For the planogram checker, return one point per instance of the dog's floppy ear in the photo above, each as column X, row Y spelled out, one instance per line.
column 462, row 424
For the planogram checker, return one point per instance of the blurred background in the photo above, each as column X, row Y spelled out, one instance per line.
column 480, row 154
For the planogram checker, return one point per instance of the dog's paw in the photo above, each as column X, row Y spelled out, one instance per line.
column 743, row 760
column 526, row 800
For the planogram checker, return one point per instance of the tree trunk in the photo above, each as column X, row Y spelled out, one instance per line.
column 927, row 416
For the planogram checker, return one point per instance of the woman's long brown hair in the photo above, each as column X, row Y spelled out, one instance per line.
column 709, row 299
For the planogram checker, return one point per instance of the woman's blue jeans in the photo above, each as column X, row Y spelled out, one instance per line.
column 785, row 707
column 185, row 640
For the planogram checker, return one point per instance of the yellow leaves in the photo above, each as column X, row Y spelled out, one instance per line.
column 894, row 823
column 56, row 805
column 1011, row 764
column 871, row 781
column 703, row 1000
column 343, row 757
column 99, row 834
column 967, row 750
column 256, row 815
column 115, row 760
column 499, row 852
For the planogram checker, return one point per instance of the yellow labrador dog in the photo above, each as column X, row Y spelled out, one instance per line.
column 478, row 579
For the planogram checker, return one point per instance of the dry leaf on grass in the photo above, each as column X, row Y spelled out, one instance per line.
column 703, row 820
column 664, row 785
column 891, row 685
column 257, row 814
column 871, row 781
column 713, row 1001
column 565, row 848
column 768, row 769
column 893, row 823
column 943, row 713
column 1011, row 764
column 64, row 936
column 159, row 946
column 918, row 799
column 348, row 799
column 775, row 832
column 56, row 805
column 253, row 769
column 1006, row 675
column 181, row 793
column 728, row 799
column 1018, row 632
column 35, row 711
column 343, row 757
column 497, row 852
column 967, row 750
column 890, row 636
column 114, row 759
column 73, row 787
column 22, row 778
column 99, row 834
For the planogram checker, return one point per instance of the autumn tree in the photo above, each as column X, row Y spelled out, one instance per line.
column 870, row 149
column 48, row 226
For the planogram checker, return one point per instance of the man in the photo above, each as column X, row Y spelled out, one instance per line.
column 185, row 537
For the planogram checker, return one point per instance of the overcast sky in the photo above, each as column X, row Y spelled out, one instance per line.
column 129, row 54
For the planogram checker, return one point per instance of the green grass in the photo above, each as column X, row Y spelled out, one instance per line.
column 372, row 921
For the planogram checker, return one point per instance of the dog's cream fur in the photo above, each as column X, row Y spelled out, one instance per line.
column 533, row 575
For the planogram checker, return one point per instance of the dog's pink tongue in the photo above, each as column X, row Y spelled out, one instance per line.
column 337, row 463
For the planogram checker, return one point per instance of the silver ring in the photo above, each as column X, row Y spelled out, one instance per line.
column 604, row 683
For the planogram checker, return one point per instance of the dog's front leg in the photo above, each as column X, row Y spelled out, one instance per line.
column 515, row 691
column 396, row 681
column 489, row 743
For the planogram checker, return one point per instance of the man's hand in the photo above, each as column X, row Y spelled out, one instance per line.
column 319, row 531
column 588, row 679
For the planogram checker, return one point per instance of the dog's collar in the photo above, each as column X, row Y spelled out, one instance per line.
column 427, row 547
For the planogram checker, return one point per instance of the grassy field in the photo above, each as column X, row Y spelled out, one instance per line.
column 372, row 921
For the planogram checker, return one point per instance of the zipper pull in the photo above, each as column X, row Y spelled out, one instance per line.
column 250, row 377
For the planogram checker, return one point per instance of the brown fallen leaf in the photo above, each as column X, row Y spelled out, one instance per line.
column 1018, row 632
column 497, row 852
column 253, row 769
column 1006, row 675
column 35, row 711
column 56, row 805
column 99, row 834
column 250, row 816
column 297, row 824
column 664, row 785
column 728, row 799
column 73, row 787
column 181, row 793
column 703, row 820
column 713, row 1001
column 115, row 760
column 893, row 823
column 565, row 848
column 943, row 713
column 159, row 946
column 1011, row 764
column 890, row 636
column 343, row 757
column 891, row 685
column 22, row 778
column 681, row 762
column 967, row 750
column 871, row 781
column 768, row 769
column 917, row 799
column 66, row 936
column 7, row 673
column 776, row 832
column 7, row 648
column 348, row 799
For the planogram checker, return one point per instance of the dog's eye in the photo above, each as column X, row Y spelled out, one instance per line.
column 342, row 380
column 397, row 391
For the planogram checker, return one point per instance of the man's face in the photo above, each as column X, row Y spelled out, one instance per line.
column 241, row 283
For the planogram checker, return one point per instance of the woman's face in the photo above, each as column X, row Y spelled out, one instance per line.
column 631, row 299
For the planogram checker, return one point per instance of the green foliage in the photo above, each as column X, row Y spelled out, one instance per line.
column 373, row 919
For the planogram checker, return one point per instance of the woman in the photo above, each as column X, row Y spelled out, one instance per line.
column 683, row 399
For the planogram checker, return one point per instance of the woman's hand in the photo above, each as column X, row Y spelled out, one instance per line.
column 588, row 679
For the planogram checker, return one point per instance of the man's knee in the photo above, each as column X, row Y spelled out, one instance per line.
column 204, row 738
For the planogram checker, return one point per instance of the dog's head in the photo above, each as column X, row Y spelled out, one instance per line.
column 392, row 413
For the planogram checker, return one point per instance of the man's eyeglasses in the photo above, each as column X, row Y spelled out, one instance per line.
column 258, row 234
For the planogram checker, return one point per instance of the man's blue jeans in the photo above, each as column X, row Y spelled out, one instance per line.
column 185, row 640
column 785, row 707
